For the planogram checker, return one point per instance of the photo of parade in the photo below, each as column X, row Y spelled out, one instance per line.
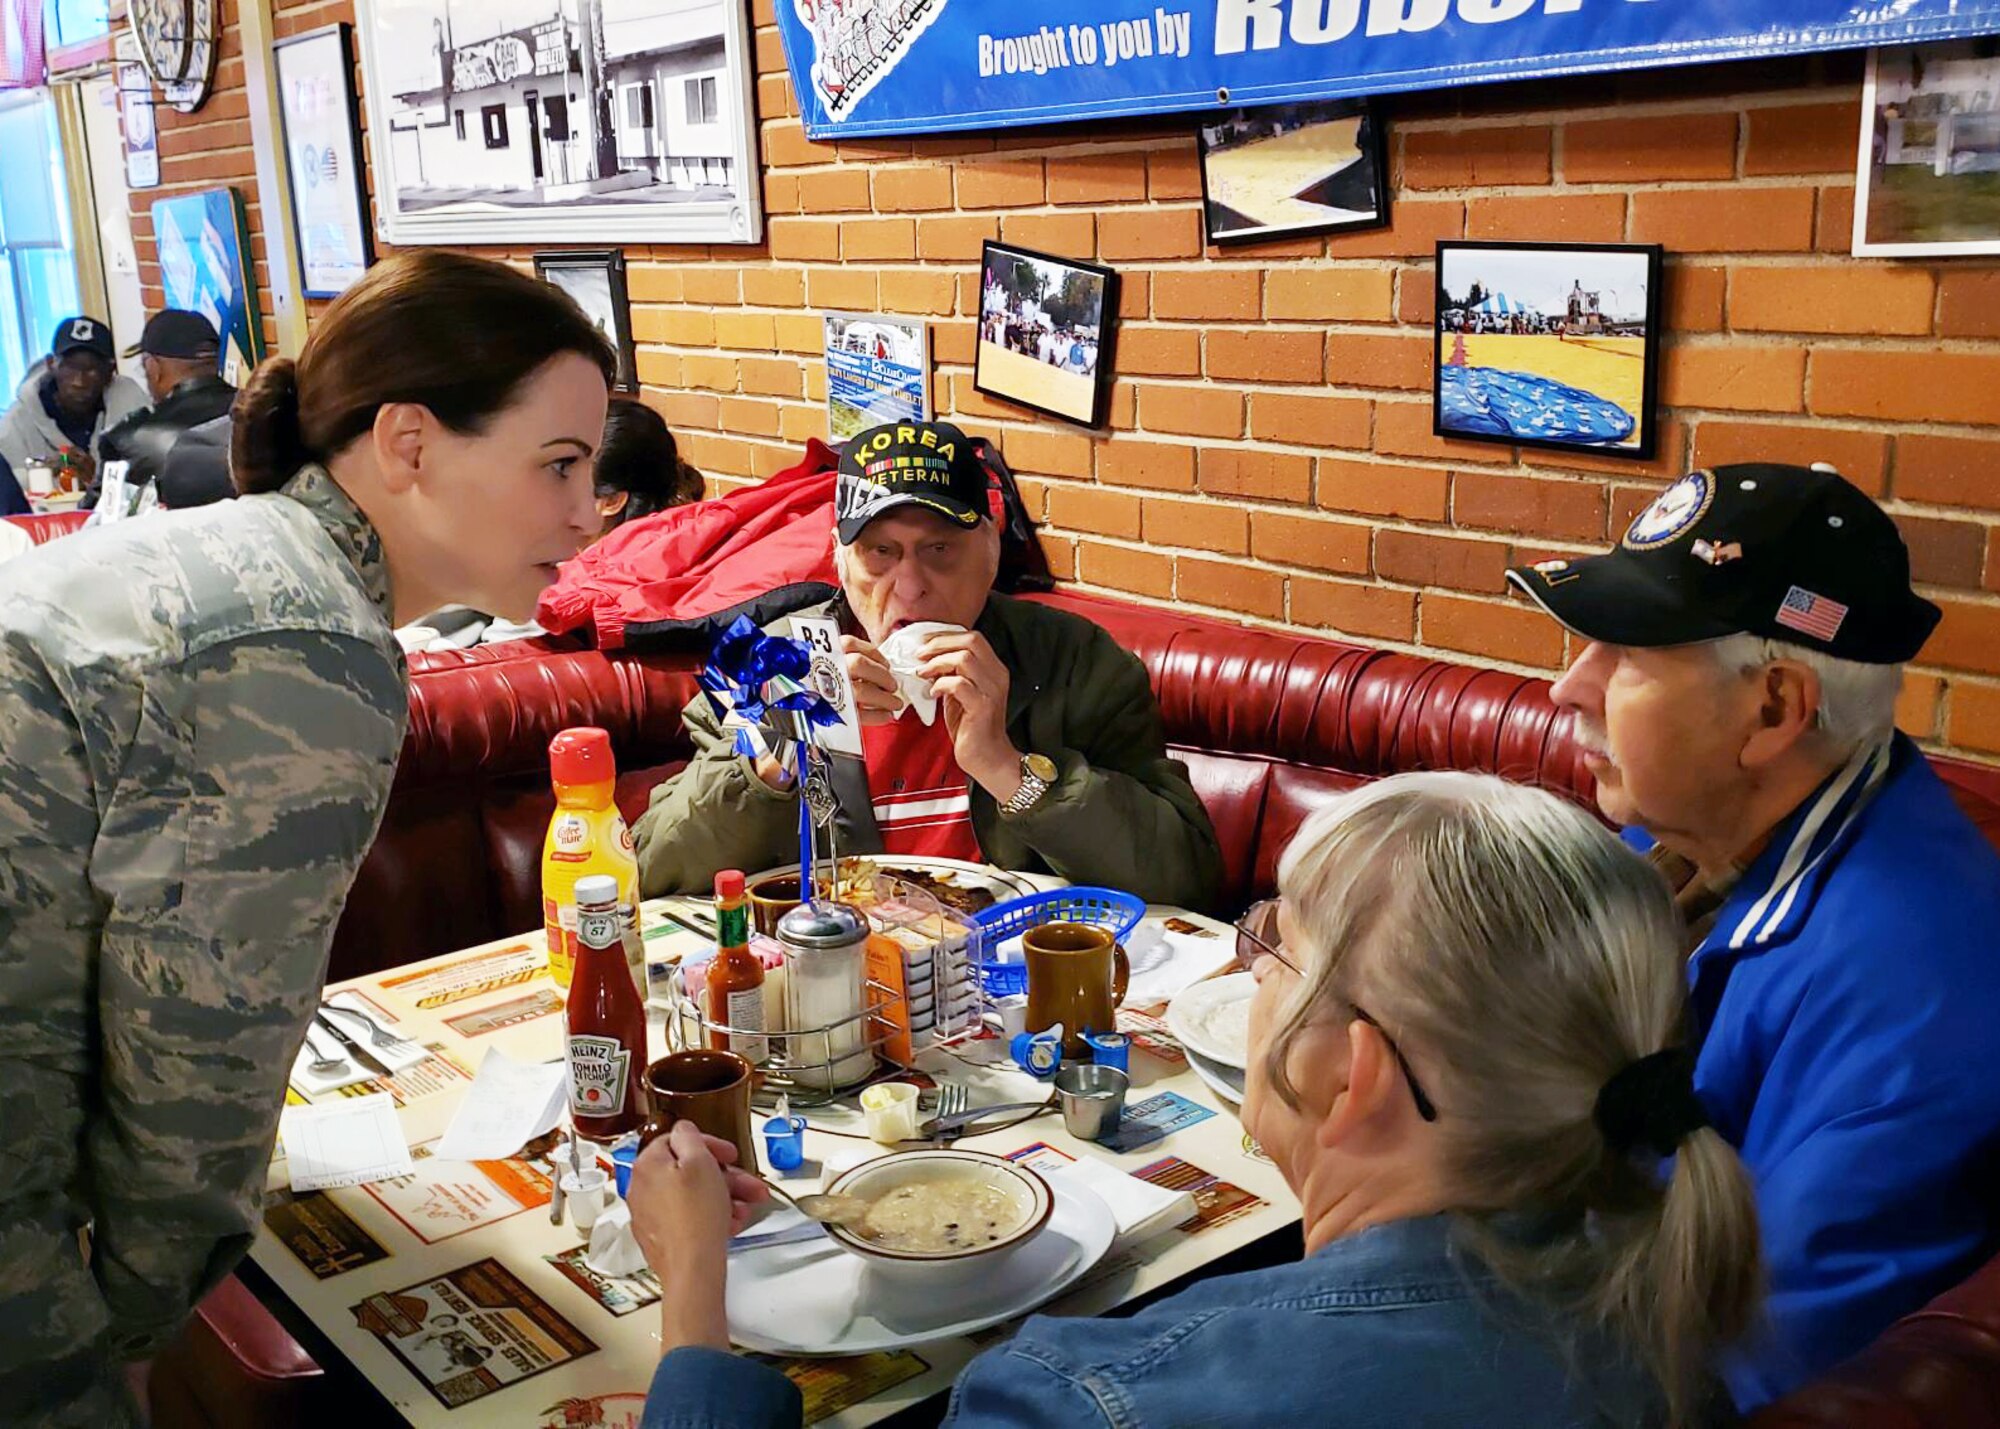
column 1044, row 338
column 1548, row 344
column 1291, row 169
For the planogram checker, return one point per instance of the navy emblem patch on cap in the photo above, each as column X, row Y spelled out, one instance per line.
column 1673, row 511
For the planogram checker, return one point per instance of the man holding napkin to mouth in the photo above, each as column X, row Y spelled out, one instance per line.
column 992, row 729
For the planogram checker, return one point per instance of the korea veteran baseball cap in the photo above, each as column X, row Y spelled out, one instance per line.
column 925, row 464
column 1789, row 553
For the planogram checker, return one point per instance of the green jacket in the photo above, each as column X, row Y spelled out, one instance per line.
column 202, row 713
column 1121, row 814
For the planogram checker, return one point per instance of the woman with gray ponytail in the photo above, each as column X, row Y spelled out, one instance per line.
column 1466, row 1058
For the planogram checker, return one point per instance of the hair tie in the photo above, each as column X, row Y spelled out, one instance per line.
column 1651, row 1103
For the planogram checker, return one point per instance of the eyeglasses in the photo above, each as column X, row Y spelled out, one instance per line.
column 1252, row 945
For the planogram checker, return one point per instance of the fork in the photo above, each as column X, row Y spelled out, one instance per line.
column 952, row 1098
column 378, row 1035
column 322, row 1065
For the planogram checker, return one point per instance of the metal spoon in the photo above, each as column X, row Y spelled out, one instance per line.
column 827, row 1209
column 322, row 1065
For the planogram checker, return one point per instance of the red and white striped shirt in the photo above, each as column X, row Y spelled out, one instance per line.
column 921, row 798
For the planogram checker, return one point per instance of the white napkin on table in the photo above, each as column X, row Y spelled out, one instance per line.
column 902, row 651
column 1141, row 1209
column 614, row 1250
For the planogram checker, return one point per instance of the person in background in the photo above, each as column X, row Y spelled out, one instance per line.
column 1466, row 1060
column 1047, row 751
column 1735, row 697
column 178, row 351
column 196, row 470
column 13, row 500
column 68, row 401
column 639, row 467
column 203, row 713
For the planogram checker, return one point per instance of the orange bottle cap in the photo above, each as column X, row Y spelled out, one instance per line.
column 582, row 756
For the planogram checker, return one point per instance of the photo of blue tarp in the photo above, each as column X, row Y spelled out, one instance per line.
column 1490, row 402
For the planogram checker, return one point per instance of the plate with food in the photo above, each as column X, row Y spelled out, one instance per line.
column 1225, row 1081
column 830, row 1295
column 957, row 884
column 1212, row 1018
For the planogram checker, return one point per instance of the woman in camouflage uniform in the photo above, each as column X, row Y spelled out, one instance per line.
column 202, row 712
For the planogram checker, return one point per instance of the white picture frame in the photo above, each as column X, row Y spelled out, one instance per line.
column 1891, row 186
column 567, row 122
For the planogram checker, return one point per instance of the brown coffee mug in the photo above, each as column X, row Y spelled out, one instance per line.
column 1077, row 975
column 772, row 898
column 708, row 1087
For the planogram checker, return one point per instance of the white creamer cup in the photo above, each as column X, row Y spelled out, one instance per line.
column 586, row 1195
column 891, row 1110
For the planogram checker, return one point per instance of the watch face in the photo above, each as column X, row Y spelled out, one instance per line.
column 162, row 28
column 1041, row 766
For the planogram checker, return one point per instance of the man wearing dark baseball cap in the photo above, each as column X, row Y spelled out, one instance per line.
column 1735, row 697
column 180, row 352
column 989, row 728
column 69, row 401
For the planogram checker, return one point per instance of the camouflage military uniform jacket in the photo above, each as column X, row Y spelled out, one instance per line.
column 200, row 714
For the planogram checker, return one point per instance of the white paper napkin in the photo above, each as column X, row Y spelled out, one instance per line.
column 1165, row 963
column 1141, row 1209
column 352, row 1015
column 313, row 1084
column 902, row 651
column 614, row 1250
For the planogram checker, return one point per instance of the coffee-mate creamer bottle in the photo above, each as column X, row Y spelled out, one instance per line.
column 586, row 836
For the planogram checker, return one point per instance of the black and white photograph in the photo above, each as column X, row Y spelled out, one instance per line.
column 595, row 277
column 1292, row 169
column 1045, row 332
column 1928, row 176
column 1549, row 344
column 609, row 121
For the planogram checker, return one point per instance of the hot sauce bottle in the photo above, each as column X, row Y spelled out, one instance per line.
column 735, row 975
column 604, row 1020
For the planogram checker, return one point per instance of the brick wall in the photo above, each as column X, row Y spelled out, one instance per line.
column 1269, row 453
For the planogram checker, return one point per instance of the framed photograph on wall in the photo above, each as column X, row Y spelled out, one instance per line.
column 322, row 131
column 204, row 245
column 1549, row 345
column 1046, row 327
column 564, row 121
column 1291, row 169
column 877, row 370
column 1927, row 182
column 595, row 277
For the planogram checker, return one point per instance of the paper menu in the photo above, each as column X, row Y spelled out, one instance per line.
column 344, row 1143
column 509, row 1104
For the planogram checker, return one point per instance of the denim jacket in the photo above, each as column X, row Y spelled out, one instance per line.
column 1390, row 1325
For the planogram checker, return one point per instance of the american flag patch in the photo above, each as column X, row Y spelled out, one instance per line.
column 1811, row 614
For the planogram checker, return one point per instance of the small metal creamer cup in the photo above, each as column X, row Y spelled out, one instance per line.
column 1093, row 1099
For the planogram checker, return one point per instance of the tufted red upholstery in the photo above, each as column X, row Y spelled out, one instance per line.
column 47, row 526
column 1270, row 725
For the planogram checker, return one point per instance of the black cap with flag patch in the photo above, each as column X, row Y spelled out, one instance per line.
column 925, row 464
column 1786, row 552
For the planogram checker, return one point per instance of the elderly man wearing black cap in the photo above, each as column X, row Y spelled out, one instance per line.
column 1735, row 698
column 179, row 351
column 68, row 402
column 991, row 729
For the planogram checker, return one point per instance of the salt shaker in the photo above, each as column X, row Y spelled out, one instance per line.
column 826, row 982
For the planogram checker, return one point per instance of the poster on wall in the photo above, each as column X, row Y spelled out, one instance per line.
column 142, row 134
column 323, row 147
column 1928, row 177
column 877, row 370
column 203, row 244
column 1549, row 345
column 925, row 66
column 1291, row 169
column 569, row 121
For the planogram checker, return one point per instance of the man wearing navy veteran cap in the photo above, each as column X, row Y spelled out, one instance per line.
column 1735, row 699
column 69, row 400
column 991, row 729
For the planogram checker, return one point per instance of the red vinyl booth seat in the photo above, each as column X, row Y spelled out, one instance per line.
column 1270, row 725
column 46, row 526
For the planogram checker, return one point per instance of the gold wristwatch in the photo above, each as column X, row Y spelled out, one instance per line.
column 1038, row 772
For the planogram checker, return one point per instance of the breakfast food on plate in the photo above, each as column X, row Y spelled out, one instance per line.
column 858, row 884
column 936, row 1216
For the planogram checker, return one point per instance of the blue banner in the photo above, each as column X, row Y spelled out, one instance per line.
column 925, row 66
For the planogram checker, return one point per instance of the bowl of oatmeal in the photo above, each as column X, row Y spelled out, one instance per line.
column 940, row 1215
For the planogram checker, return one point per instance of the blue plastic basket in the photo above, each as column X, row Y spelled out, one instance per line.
column 1101, row 907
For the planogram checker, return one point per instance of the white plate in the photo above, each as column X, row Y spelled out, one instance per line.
column 1000, row 882
column 813, row 1298
column 1226, row 1082
column 1213, row 1018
